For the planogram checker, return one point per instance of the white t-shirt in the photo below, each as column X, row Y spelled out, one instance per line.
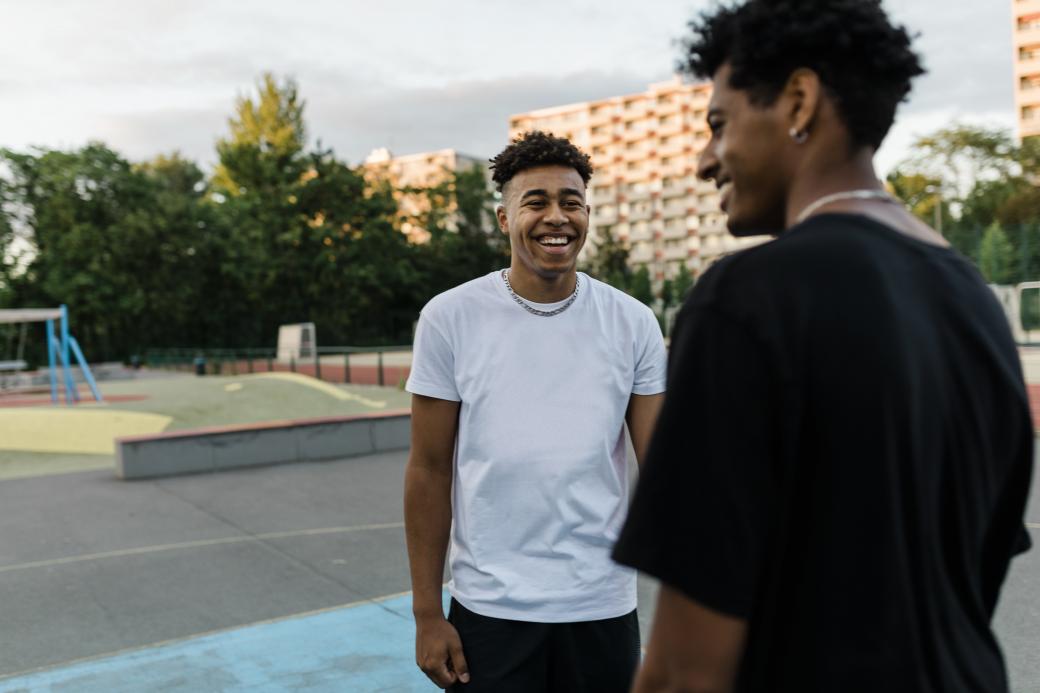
column 540, row 485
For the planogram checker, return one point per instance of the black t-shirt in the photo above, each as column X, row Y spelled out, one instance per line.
column 843, row 459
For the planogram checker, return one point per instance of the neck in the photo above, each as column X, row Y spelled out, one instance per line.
column 538, row 288
column 817, row 180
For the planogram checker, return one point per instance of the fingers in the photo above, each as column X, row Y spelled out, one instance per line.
column 438, row 666
column 438, row 651
column 440, row 674
column 458, row 660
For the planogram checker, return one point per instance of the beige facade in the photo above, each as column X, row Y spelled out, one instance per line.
column 1026, row 44
column 423, row 170
column 644, row 148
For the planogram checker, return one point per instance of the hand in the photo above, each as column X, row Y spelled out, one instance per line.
column 438, row 651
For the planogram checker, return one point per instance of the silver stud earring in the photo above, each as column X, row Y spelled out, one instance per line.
column 799, row 136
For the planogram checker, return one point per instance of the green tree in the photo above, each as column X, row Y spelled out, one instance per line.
column 922, row 194
column 188, row 283
column 682, row 283
column 996, row 255
column 609, row 260
column 983, row 177
column 465, row 241
column 111, row 241
column 263, row 152
column 641, row 288
column 256, row 186
column 357, row 273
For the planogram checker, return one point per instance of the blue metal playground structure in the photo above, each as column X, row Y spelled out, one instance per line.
column 61, row 348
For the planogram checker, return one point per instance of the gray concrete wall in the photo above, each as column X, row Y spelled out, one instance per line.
column 281, row 442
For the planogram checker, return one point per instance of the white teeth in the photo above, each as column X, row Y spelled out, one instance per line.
column 554, row 240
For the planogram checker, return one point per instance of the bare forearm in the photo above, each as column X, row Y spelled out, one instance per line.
column 655, row 680
column 692, row 648
column 427, row 519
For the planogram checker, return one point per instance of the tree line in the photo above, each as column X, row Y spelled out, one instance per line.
column 159, row 254
column 979, row 187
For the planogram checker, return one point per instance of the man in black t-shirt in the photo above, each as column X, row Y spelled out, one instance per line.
column 837, row 482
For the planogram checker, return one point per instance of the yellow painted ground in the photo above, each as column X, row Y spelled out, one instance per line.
column 78, row 431
column 323, row 386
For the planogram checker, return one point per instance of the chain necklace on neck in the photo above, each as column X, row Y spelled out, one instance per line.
column 865, row 194
column 534, row 311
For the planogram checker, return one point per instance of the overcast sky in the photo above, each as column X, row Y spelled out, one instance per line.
column 154, row 76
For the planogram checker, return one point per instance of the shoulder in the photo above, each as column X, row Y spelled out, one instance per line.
column 464, row 297
column 609, row 298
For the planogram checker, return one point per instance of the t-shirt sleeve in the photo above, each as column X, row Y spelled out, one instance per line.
column 433, row 363
column 1023, row 542
column 699, row 518
column 652, row 362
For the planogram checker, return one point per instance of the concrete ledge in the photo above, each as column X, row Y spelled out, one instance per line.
column 220, row 448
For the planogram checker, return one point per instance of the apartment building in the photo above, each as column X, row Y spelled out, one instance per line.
column 1026, row 44
column 423, row 170
column 644, row 149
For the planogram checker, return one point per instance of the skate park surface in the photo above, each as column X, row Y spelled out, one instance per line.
column 280, row 578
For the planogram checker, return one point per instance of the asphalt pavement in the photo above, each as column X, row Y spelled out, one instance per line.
column 282, row 578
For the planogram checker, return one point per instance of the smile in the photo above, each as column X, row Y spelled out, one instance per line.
column 725, row 191
column 550, row 241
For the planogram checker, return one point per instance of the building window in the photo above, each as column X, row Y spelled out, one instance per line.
column 1028, row 22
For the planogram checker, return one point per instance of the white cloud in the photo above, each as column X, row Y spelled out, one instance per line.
column 150, row 77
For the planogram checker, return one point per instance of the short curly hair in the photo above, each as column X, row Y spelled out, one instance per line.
column 537, row 148
column 864, row 61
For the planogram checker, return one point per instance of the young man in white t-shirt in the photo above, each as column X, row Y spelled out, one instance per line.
column 522, row 382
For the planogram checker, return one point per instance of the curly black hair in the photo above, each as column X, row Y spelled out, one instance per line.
column 863, row 60
column 537, row 148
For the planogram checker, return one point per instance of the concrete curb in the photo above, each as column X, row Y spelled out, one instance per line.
column 222, row 448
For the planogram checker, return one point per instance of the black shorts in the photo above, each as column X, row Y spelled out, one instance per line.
column 519, row 657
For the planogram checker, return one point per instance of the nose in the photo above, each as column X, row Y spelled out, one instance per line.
column 554, row 215
column 708, row 164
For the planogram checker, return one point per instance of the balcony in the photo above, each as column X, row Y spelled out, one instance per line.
column 1028, row 97
column 1028, row 35
column 638, row 194
column 677, row 252
column 640, row 215
column 673, row 232
column 642, row 253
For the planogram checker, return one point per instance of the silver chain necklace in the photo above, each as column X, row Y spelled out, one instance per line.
column 865, row 194
column 534, row 311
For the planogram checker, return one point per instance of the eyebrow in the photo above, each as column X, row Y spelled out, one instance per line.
column 538, row 192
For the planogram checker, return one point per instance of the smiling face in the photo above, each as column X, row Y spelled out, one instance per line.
column 546, row 218
column 748, row 157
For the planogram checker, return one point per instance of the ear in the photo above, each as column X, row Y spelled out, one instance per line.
column 801, row 96
column 503, row 220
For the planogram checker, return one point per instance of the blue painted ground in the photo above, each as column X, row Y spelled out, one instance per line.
column 356, row 649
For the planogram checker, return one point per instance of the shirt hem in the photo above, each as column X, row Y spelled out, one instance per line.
column 655, row 388
column 431, row 391
column 563, row 614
